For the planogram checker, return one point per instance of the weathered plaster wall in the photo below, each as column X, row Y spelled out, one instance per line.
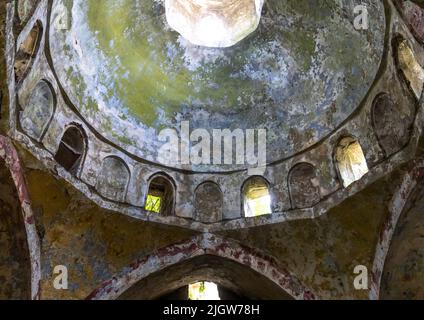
column 320, row 248
column 414, row 15
column 131, row 76
column 93, row 243
column 323, row 252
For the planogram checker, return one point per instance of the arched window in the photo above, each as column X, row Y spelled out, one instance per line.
column 71, row 151
column 27, row 52
column 38, row 111
column 392, row 124
column 351, row 161
column 304, row 186
column 256, row 197
column 411, row 69
column 113, row 179
column 203, row 291
column 208, row 203
column 160, row 197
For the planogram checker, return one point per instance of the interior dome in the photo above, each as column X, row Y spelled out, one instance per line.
column 300, row 75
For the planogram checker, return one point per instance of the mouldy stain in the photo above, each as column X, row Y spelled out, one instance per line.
column 153, row 77
column 76, row 230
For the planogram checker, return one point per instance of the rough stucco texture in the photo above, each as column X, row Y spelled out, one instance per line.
column 404, row 271
column 94, row 244
column 131, row 76
column 14, row 255
column 324, row 252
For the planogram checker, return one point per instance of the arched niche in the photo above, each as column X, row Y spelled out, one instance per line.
column 351, row 162
column 161, row 195
column 27, row 52
column 72, row 149
column 113, row 179
column 209, row 203
column 304, row 186
column 392, row 124
column 38, row 111
column 256, row 196
column 409, row 67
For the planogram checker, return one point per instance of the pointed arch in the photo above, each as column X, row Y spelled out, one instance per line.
column 10, row 156
column 204, row 246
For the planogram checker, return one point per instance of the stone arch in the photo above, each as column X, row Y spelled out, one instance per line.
column 210, row 248
column 401, row 272
column 72, row 149
column 39, row 110
column 161, row 195
column 350, row 160
column 14, row 252
column 113, row 179
column 392, row 124
column 256, row 197
column 408, row 66
column 304, row 186
column 27, row 52
column 403, row 220
column 13, row 186
column 209, row 201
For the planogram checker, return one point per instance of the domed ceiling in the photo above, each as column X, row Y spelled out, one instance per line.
column 300, row 75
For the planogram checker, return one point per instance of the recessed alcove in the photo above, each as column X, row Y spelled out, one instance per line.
column 38, row 111
column 257, row 199
column 161, row 196
column 27, row 52
column 72, row 149
column 351, row 162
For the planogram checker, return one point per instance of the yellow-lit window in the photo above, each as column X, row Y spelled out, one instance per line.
column 257, row 199
column 351, row 161
column 258, row 206
column 153, row 204
column 160, row 197
column 203, row 291
column 411, row 69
